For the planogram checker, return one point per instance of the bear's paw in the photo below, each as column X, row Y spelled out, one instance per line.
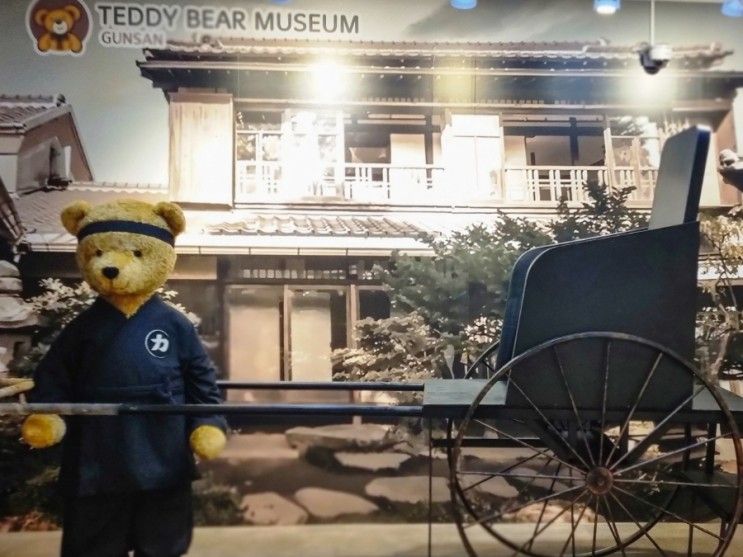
column 43, row 430
column 207, row 441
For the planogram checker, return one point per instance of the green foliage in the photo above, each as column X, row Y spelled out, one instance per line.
column 478, row 335
column 27, row 477
column 397, row 349
column 438, row 287
column 56, row 306
column 719, row 335
column 453, row 301
column 215, row 504
column 605, row 212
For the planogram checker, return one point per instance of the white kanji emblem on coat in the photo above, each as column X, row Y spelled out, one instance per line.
column 157, row 343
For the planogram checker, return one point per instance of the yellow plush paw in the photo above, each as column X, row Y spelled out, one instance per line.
column 207, row 441
column 43, row 430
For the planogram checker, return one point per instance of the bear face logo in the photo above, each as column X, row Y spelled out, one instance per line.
column 58, row 26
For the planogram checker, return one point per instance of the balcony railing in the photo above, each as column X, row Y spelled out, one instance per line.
column 550, row 184
column 272, row 181
column 356, row 182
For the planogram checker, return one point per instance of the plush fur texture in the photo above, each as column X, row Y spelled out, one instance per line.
column 43, row 430
column 207, row 441
column 143, row 264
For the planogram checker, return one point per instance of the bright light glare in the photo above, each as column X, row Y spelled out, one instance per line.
column 328, row 80
column 463, row 4
column 606, row 7
column 651, row 90
column 732, row 8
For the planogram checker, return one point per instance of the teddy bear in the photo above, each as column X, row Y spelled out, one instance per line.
column 731, row 168
column 58, row 24
column 126, row 480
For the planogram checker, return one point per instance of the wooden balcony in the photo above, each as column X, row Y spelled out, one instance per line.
column 430, row 185
column 537, row 185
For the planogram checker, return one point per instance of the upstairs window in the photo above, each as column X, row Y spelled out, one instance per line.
column 291, row 153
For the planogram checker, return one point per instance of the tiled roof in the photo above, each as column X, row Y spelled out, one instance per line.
column 39, row 215
column 565, row 51
column 305, row 225
column 39, row 211
column 20, row 112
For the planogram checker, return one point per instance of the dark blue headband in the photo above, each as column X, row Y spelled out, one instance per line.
column 126, row 226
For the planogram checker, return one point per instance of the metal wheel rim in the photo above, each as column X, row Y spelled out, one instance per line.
column 454, row 449
column 455, row 487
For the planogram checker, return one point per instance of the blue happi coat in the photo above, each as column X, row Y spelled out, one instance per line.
column 152, row 357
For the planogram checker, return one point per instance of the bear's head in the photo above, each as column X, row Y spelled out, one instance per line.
column 125, row 248
column 59, row 21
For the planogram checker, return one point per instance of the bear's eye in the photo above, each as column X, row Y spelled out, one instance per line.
column 137, row 253
column 98, row 253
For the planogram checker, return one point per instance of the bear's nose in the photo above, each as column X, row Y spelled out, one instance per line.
column 110, row 272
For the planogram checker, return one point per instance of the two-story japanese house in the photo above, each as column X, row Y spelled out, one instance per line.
column 300, row 164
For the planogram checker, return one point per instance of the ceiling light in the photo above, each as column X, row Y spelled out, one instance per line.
column 463, row 4
column 732, row 8
column 606, row 7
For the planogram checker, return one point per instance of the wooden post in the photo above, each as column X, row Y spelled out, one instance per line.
column 201, row 147
column 286, row 368
column 609, row 156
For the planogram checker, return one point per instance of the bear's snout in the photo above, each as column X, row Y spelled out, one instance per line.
column 110, row 272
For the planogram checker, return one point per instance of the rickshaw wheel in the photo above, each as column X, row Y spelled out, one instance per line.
column 608, row 474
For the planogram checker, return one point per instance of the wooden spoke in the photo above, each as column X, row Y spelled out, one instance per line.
column 638, row 398
column 574, row 525
column 595, row 525
column 544, row 506
column 506, row 475
column 604, row 398
column 673, row 483
column 611, row 523
column 511, row 467
column 519, row 441
column 661, row 424
column 554, row 519
column 669, row 454
column 632, row 517
column 666, row 511
column 578, row 421
column 499, row 514
column 547, row 422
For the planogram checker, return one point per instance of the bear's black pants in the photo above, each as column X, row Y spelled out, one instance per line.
column 155, row 523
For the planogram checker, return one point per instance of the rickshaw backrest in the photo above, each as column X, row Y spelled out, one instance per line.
column 641, row 282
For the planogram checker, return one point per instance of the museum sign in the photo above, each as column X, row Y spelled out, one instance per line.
column 138, row 25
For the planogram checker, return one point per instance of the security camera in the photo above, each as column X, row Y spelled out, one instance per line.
column 655, row 57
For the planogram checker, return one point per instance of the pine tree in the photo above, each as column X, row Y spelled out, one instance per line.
column 460, row 291
column 605, row 212
column 467, row 277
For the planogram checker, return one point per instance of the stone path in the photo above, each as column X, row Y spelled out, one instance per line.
column 408, row 489
column 326, row 503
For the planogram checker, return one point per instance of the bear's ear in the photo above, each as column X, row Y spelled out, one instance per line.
column 39, row 16
column 74, row 11
column 173, row 216
column 73, row 214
